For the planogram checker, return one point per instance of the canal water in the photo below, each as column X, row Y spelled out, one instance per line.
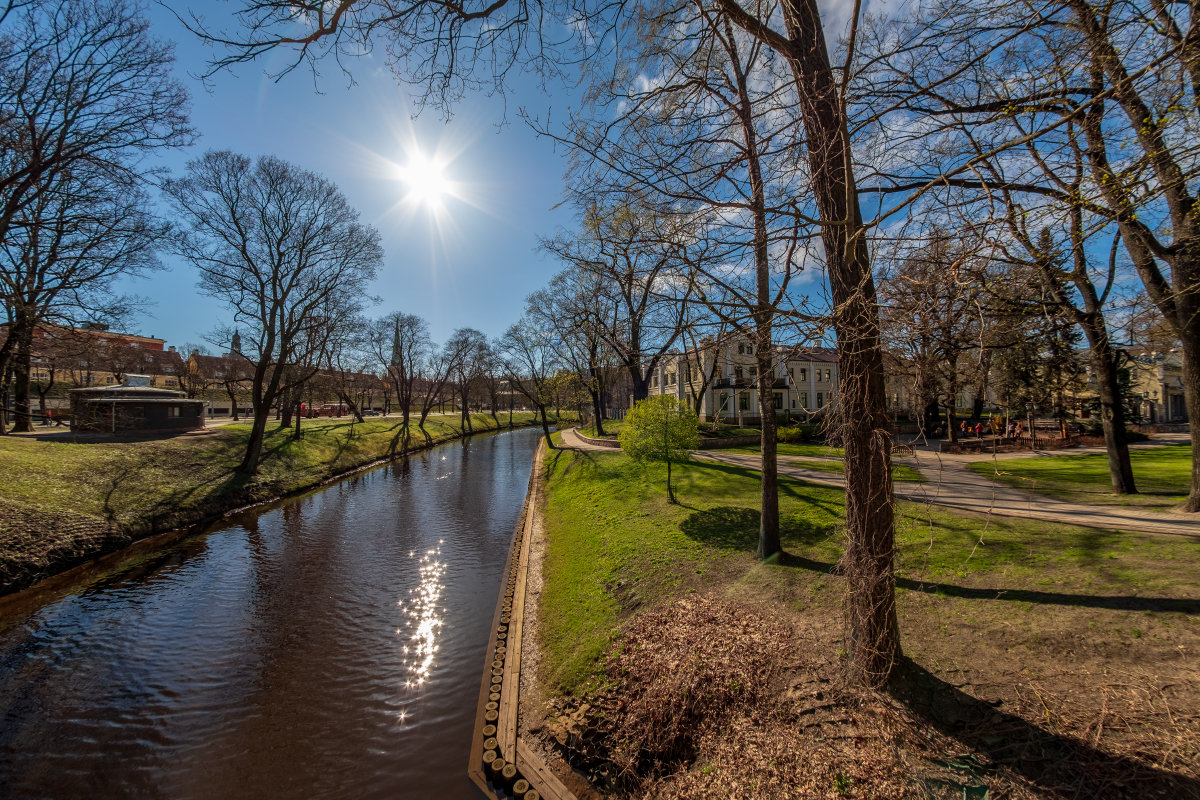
column 326, row 646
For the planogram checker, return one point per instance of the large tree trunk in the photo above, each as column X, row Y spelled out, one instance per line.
column 597, row 410
column 1190, row 356
column 466, row 411
column 22, row 355
column 545, row 426
column 254, row 446
column 874, row 634
column 768, row 524
column 1112, row 410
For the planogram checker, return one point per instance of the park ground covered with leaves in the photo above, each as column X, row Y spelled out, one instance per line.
column 65, row 499
column 1042, row 660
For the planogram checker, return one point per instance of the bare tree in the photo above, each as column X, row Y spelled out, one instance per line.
column 401, row 345
column 571, row 300
column 288, row 254
column 85, row 94
column 711, row 141
column 532, row 351
column 873, row 631
column 1120, row 79
column 935, row 315
column 639, row 308
column 439, row 365
column 471, row 345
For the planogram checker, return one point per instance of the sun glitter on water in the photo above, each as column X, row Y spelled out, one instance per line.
column 422, row 620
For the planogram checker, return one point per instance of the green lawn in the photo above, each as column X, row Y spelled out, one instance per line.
column 613, row 427
column 899, row 471
column 61, row 501
column 1162, row 475
column 812, row 450
column 615, row 544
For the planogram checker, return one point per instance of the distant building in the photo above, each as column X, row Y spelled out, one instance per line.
column 93, row 356
column 803, row 382
column 1158, row 379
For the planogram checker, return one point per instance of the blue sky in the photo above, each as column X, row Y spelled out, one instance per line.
column 471, row 266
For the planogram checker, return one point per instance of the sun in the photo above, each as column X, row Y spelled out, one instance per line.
column 426, row 179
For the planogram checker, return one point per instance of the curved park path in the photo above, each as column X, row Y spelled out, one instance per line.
column 950, row 483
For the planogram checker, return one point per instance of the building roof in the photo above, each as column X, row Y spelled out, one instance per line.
column 828, row 355
column 221, row 367
column 127, row 392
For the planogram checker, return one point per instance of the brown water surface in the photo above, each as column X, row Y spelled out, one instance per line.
column 328, row 646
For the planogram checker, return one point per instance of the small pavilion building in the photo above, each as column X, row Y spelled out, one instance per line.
column 134, row 407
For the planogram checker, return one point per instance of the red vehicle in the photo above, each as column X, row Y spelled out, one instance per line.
column 332, row 410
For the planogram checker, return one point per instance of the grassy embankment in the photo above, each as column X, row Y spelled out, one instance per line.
column 63, row 501
column 1162, row 475
column 992, row 606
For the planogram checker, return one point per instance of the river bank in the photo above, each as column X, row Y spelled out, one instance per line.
column 1043, row 660
column 66, row 500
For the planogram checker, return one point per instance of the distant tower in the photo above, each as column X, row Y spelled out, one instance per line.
column 396, row 347
column 235, row 345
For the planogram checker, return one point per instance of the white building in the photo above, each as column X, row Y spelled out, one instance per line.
column 804, row 380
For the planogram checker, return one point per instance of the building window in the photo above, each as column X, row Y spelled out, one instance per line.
column 654, row 381
column 109, row 379
column 804, row 400
column 741, row 349
column 753, row 373
column 724, row 401
column 174, row 411
column 820, row 399
column 743, row 401
column 171, row 382
column 804, row 373
column 793, row 402
column 828, row 375
column 737, row 373
column 779, row 400
column 749, row 349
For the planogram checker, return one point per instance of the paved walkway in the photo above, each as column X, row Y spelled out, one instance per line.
column 951, row 484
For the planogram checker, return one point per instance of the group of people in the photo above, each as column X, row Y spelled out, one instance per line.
column 993, row 426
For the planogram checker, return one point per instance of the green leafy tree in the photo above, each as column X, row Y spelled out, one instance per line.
column 658, row 429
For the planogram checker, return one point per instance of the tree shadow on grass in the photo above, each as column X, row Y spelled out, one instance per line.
column 1060, row 766
column 736, row 528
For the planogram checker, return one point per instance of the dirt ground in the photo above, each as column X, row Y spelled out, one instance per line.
column 737, row 690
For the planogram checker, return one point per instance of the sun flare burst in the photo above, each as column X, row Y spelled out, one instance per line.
column 425, row 177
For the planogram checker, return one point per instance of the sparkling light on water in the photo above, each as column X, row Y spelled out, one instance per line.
column 422, row 621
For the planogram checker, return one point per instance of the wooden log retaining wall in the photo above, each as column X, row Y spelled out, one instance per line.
column 501, row 764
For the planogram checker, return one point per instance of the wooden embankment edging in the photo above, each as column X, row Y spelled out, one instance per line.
column 501, row 764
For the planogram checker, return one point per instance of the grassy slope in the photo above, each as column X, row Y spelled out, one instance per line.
column 62, row 502
column 1162, row 475
column 616, row 545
